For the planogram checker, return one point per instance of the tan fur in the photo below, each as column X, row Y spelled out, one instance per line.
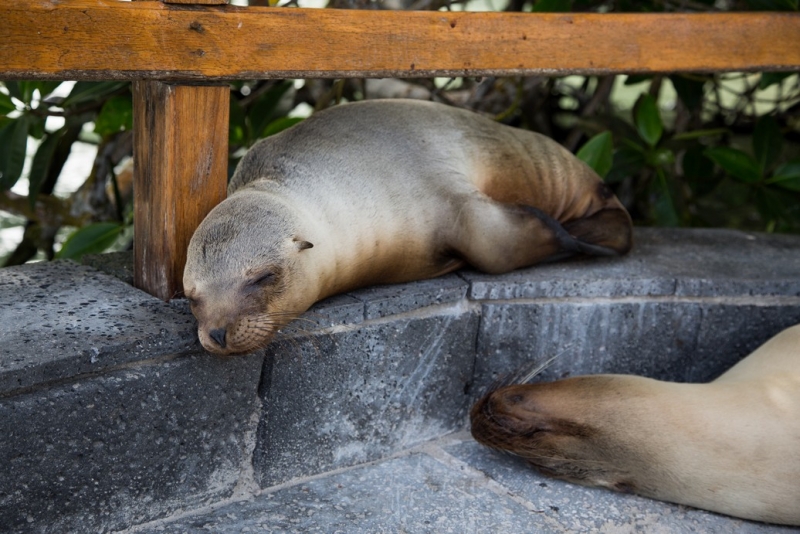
column 386, row 191
column 731, row 446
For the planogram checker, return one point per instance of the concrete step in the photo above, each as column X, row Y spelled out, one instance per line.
column 112, row 415
column 450, row 485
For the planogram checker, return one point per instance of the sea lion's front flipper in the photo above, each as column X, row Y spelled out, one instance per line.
column 606, row 233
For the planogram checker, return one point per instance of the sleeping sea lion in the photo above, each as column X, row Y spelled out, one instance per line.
column 730, row 446
column 380, row 192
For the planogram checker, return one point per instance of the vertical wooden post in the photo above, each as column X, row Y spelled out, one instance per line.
column 180, row 173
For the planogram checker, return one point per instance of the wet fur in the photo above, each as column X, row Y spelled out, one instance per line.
column 731, row 446
column 387, row 192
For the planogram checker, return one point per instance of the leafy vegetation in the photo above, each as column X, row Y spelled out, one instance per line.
column 678, row 149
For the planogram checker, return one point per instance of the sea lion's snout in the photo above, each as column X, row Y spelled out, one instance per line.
column 243, row 335
column 530, row 421
column 218, row 336
column 219, row 341
column 227, row 328
column 561, row 428
column 502, row 417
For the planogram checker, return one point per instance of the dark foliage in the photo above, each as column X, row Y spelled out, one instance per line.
column 679, row 149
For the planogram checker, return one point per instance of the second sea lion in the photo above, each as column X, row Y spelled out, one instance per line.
column 730, row 446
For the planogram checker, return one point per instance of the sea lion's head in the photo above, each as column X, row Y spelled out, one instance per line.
column 560, row 428
column 244, row 275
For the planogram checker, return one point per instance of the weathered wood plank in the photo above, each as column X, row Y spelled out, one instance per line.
column 180, row 172
column 197, row 2
column 106, row 39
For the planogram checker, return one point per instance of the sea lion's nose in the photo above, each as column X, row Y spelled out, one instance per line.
column 218, row 335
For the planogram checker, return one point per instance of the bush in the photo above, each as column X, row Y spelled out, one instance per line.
column 678, row 149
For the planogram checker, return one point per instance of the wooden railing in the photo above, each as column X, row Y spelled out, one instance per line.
column 180, row 56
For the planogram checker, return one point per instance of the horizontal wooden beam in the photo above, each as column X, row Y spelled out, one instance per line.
column 107, row 39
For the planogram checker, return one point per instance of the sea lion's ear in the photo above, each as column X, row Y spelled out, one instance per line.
column 302, row 245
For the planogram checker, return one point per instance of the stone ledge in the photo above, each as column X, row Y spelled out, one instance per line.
column 60, row 320
column 343, row 398
column 664, row 262
column 112, row 450
column 113, row 415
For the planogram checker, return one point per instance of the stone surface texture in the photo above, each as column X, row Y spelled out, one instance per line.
column 61, row 319
column 452, row 485
column 664, row 262
column 125, row 447
column 362, row 394
column 113, row 418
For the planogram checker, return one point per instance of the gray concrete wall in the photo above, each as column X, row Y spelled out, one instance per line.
column 111, row 414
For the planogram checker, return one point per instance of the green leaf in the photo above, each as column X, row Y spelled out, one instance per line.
column 664, row 210
column 26, row 91
column 790, row 168
column 647, row 119
column 115, row 116
column 264, row 110
column 14, row 90
column 41, row 163
column 552, row 6
column 633, row 145
column 771, row 204
column 736, row 163
column 279, row 125
column 633, row 79
column 6, row 105
column 771, row 78
column 45, row 88
column 690, row 91
column 14, row 152
column 698, row 170
column 6, row 131
column 787, row 176
column 791, row 183
column 627, row 162
column 598, row 153
column 36, row 126
column 89, row 91
column 697, row 134
column 91, row 239
column 236, row 125
column 660, row 157
column 767, row 142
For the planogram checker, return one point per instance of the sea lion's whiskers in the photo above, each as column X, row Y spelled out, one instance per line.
column 537, row 370
column 525, row 373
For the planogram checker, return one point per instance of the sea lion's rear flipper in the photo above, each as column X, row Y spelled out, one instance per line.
column 496, row 237
column 606, row 233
